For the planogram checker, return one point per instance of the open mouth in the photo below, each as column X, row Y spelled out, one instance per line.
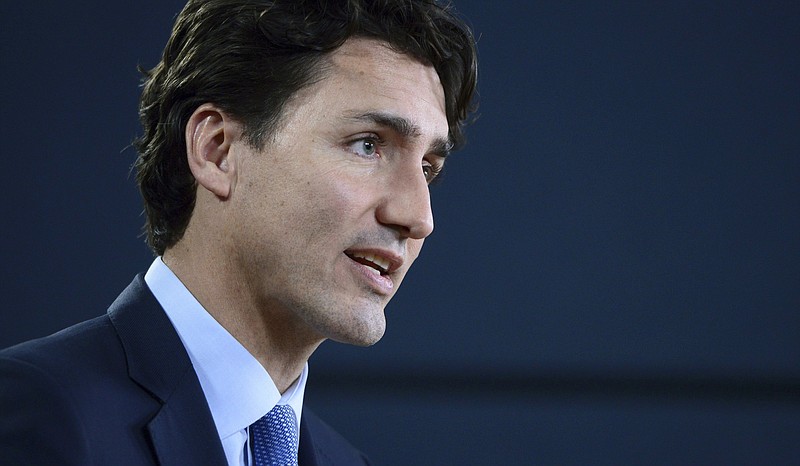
column 377, row 264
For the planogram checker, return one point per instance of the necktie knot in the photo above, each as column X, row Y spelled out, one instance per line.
column 275, row 438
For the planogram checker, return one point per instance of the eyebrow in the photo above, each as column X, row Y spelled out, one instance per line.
column 405, row 128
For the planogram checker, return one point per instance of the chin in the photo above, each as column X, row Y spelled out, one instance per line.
column 369, row 341
column 361, row 332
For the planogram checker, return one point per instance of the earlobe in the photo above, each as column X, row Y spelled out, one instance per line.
column 209, row 133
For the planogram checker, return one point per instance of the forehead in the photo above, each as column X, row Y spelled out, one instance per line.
column 365, row 56
column 366, row 75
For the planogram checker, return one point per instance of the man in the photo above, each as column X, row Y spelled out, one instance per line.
column 285, row 162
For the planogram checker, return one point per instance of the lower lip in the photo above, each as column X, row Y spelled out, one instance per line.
column 380, row 283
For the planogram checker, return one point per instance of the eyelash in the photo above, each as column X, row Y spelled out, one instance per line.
column 377, row 142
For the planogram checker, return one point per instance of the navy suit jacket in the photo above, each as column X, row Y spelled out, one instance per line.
column 120, row 389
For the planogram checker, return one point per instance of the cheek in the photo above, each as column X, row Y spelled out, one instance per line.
column 414, row 248
column 333, row 202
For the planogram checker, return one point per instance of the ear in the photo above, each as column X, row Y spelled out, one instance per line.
column 209, row 134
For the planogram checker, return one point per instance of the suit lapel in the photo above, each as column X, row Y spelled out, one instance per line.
column 183, row 431
column 320, row 445
column 307, row 454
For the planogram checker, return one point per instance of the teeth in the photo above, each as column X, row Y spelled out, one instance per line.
column 379, row 262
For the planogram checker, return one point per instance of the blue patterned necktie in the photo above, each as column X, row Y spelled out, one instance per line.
column 275, row 438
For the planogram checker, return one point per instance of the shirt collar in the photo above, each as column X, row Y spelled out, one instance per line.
column 238, row 389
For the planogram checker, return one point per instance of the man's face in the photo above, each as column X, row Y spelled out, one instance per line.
column 331, row 213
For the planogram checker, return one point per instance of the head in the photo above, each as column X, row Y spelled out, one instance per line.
column 296, row 139
column 249, row 57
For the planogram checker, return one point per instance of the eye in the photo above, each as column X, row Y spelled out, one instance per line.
column 365, row 147
column 430, row 171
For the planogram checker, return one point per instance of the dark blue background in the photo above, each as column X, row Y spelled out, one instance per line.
column 615, row 272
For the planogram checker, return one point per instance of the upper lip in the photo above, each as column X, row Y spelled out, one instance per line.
column 385, row 260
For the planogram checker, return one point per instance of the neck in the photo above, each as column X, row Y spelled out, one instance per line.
column 274, row 336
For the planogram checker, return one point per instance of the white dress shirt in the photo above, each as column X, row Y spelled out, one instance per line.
column 238, row 389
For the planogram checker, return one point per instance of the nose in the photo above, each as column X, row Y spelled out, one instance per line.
column 406, row 205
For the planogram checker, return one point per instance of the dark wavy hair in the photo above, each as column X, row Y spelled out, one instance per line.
column 249, row 57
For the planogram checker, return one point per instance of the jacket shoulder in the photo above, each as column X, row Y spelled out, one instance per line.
column 69, row 398
column 40, row 387
column 64, row 353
